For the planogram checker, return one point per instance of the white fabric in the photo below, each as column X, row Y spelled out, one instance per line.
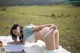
column 60, row 50
column 50, row 31
column 38, row 47
column 31, row 38
column 10, row 47
column 47, row 33
column 5, row 39
column 13, row 48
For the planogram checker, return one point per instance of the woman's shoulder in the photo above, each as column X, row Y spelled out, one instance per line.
column 28, row 27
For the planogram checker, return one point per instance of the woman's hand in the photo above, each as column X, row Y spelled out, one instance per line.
column 10, row 42
column 53, row 27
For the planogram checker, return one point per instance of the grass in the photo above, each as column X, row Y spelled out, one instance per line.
column 66, row 17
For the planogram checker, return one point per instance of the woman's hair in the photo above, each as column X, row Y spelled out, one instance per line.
column 14, row 37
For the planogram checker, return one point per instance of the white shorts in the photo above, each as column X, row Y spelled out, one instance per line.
column 31, row 38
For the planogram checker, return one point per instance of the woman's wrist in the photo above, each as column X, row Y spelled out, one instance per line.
column 53, row 27
column 10, row 42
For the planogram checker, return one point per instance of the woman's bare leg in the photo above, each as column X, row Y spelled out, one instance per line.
column 57, row 39
column 51, row 41
column 41, row 33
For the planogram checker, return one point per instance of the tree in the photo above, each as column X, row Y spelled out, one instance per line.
column 75, row 2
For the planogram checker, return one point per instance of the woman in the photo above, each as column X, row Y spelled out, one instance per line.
column 41, row 32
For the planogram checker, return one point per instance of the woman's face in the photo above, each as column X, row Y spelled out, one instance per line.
column 17, row 31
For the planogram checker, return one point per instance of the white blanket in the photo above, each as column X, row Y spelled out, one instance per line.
column 10, row 47
column 38, row 47
column 5, row 39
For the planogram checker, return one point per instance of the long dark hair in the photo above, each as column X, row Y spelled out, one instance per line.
column 14, row 37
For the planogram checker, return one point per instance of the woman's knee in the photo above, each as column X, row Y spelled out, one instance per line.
column 56, row 31
column 46, row 28
column 40, row 34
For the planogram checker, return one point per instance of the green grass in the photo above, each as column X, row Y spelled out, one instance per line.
column 66, row 17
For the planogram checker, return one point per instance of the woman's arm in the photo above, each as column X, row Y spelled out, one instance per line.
column 51, row 26
column 16, row 42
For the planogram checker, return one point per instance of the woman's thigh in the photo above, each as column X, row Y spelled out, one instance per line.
column 40, row 34
column 50, row 40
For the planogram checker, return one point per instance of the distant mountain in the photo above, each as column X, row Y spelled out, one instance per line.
column 30, row 2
